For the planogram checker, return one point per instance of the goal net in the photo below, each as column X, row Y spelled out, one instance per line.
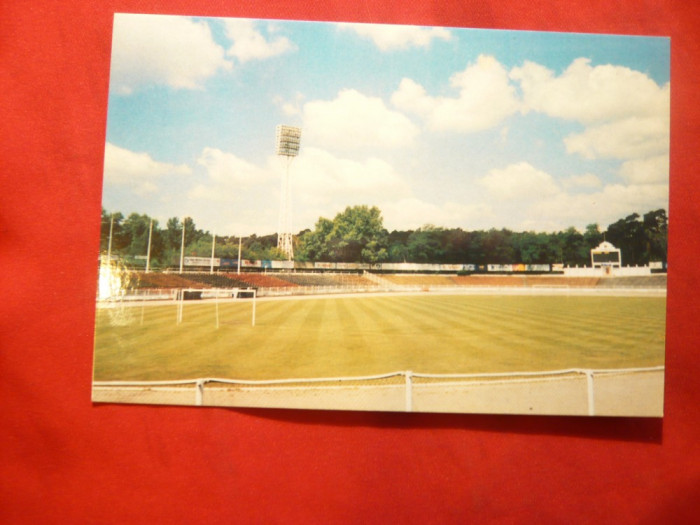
column 215, row 297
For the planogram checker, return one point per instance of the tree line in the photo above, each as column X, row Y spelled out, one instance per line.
column 130, row 239
column 357, row 234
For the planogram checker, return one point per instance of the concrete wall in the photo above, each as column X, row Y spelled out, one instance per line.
column 625, row 271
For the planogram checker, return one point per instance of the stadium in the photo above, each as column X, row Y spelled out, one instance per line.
column 497, row 339
column 330, row 321
column 423, row 315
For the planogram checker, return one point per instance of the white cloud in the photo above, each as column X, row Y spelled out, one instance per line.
column 605, row 206
column 585, row 181
column 251, row 44
column 320, row 174
column 396, row 37
column 291, row 107
column 525, row 198
column 591, row 94
column 354, row 120
column 625, row 112
column 138, row 171
column 158, row 49
column 227, row 176
column 486, row 97
column 651, row 170
column 321, row 184
column 324, row 184
column 413, row 98
column 519, row 181
column 633, row 137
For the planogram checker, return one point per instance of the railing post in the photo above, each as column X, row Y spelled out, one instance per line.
column 199, row 395
column 591, row 393
column 409, row 390
column 181, row 298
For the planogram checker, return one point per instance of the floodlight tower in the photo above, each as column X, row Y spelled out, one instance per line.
column 288, row 140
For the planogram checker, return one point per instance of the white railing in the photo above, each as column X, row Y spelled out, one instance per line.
column 406, row 380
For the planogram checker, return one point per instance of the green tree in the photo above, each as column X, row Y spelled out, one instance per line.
column 656, row 235
column 397, row 246
column 497, row 246
column 200, row 246
column 172, row 238
column 457, row 246
column 136, row 228
column 262, row 248
column 425, row 246
column 354, row 235
column 592, row 237
column 120, row 239
column 628, row 235
column 535, row 248
column 573, row 246
column 173, row 234
column 312, row 244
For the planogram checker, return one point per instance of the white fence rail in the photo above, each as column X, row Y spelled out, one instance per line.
column 410, row 390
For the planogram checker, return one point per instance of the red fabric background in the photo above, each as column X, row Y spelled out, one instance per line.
column 63, row 460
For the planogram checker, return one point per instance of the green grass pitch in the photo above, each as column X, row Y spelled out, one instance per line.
column 366, row 335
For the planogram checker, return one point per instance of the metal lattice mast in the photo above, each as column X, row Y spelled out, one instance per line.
column 288, row 140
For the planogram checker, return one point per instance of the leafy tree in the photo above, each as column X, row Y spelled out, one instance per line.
column 534, row 248
column 120, row 239
column 262, row 248
column 457, row 246
column 397, row 246
column 355, row 235
column 172, row 237
column 312, row 244
column 574, row 250
column 136, row 228
column 592, row 237
column 424, row 244
column 173, row 234
column 497, row 246
column 628, row 235
column 200, row 246
column 656, row 235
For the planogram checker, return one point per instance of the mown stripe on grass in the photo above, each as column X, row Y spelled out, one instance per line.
column 369, row 335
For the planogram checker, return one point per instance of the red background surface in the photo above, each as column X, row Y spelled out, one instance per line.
column 65, row 460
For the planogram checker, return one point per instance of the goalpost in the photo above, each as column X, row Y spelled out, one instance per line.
column 217, row 295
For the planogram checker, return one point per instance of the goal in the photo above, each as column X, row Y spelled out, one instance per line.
column 216, row 296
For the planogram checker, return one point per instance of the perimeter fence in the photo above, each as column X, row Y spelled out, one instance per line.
column 574, row 391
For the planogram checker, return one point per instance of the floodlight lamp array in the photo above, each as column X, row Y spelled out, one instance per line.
column 288, row 140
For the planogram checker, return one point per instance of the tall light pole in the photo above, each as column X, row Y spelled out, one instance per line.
column 182, row 244
column 288, row 141
column 109, row 244
column 240, row 243
column 148, row 252
column 213, row 247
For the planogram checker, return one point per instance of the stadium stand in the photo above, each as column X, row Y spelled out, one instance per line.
column 554, row 280
column 420, row 279
column 325, row 279
column 164, row 280
column 489, row 280
column 259, row 280
column 644, row 281
column 213, row 280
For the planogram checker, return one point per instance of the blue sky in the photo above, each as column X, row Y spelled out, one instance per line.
column 451, row 127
